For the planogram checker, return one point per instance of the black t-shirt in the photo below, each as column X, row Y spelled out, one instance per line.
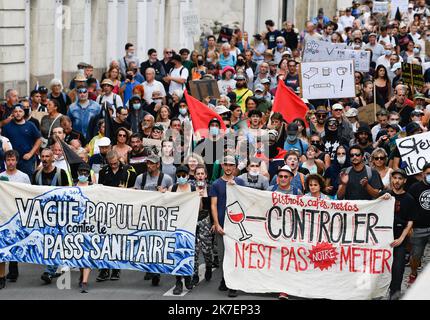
column 292, row 81
column 124, row 177
column 75, row 135
column 421, row 194
column 64, row 105
column 138, row 160
column 271, row 38
column 404, row 211
column 47, row 178
column 354, row 190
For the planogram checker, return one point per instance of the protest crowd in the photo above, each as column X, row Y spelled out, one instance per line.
column 141, row 126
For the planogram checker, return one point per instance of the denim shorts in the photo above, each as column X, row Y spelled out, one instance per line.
column 419, row 239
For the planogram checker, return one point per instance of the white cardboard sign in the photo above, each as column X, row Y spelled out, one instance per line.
column 328, row 79
column 316, row 50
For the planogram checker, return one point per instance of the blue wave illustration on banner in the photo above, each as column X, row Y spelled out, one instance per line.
column 22, row 244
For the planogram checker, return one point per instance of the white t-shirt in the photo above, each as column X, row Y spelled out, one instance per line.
column 223, row 85
column 151, row 87
column 109, row 99
column 19, row 177
column 346, row 21
column 182, row 73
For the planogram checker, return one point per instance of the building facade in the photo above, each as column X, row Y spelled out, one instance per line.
column 45, row 39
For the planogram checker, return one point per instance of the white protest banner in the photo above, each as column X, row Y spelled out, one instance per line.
column 98, row 227
column 327, row 79
column 307, row 247
column 380, row 7
column 414, row 152
column 361, row 58
column 401, row 4
column 191, row 22
column 316, row 50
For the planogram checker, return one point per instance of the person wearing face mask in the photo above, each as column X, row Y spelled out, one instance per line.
column 129, row 56
column 182, row 185
column 259, row 94
column 280, row 49
column 253, row 178
column 212, row 147
column 200, row 70
column 184, row 115
column 292, row 141
column 417, row 117
column 84, row 172
column 331, row 139
column 136, row 112
column 331, row 175
column 421, row 232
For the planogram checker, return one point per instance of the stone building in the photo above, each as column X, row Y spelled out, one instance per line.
column 43, row 39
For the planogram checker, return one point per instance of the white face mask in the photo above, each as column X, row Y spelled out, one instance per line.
column 254, row 173
column 341, row 160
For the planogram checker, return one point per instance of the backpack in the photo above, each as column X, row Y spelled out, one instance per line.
column 368, row 172
column 114, row 100
column 180, row 73
column 57, row 178
column 159, row 181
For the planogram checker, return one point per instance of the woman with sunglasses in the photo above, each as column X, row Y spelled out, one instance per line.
column 378, row 160
column 182, row 185
column 121, row 147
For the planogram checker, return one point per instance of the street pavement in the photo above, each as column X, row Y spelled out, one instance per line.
column 131, row 286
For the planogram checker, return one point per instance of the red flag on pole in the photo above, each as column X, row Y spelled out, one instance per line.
column 288, row 103
column 201, row 114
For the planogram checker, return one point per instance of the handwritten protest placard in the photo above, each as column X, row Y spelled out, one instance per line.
column 380, row 7
column 98, row 227
column 306, row 246
column 191, row 22
column 414, row 152
column 327, row 80
column 361, row 58
column 316, row 50
column 412, row 74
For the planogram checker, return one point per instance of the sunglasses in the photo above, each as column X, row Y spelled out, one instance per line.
column 321, row 116
column 122, row 135
column 181, row 175
column 283, row 176
column 379, row 158
column 82, row 91
column 333, row 124
column 353, row 155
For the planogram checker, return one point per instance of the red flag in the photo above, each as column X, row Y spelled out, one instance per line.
column 288, row 103
column 201, row 114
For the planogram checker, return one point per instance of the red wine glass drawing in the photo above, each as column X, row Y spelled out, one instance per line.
column 236, row 215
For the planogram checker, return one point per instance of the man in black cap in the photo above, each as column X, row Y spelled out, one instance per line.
column 292, row 142
column 44, row 97
column 212, row 148
column 404, row 216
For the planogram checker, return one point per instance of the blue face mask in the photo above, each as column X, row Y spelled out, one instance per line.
column 136, row 106
column 428, row 179
column 183, row 111
column 259, row 96
column 291, row 137
column 182, row 181
column 416, row 50
column 279, row 45
column 83, row 179
column 214, row 131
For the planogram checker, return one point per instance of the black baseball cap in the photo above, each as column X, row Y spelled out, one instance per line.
column 182, row 169
column 399, row 171
column 43, row 89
